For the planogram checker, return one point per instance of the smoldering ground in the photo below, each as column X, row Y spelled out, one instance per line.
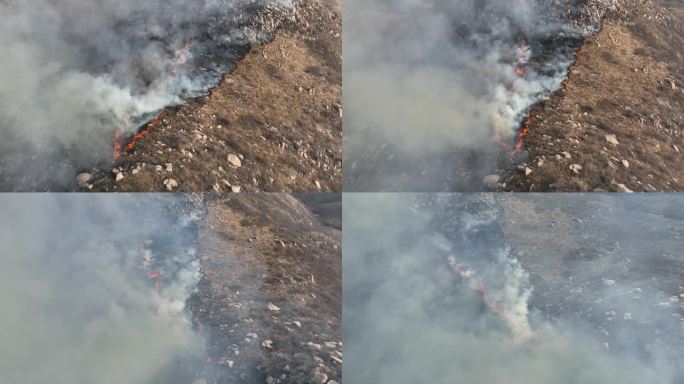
column 433, row 292
column 435, row 91
column 79, row 305
column 74, row 73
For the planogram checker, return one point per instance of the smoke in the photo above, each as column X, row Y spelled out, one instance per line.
column 434, row 89
column 75, row 72
column 78, row 305
column 410, row 316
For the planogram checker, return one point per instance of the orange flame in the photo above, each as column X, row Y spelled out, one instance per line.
column 117, row 145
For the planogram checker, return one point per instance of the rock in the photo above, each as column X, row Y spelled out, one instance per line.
column 230, row 363
column 234, row 160
column 235, row 189
column 270, row 380
column 298, row 324
column 528, row 171
column 566, row 155
column 318, row 185
column 169, row 167
column 170, row 184
column 576, row 168
column 267, row 344
column 83, row 179
column 320, row 377
column 491, row 182
column 622, row 188
column 612, row 139
column 625, row 163
column 314, row 345
column 272, row 307
column 330, row 344
column 119, row 176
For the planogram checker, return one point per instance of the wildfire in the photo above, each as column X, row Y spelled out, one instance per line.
column 575, row 54
column 522, row 132
column 480, row 286
column 148, row 260
column 181, row 57
column 120, row 149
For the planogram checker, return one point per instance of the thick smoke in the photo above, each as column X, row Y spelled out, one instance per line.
column 78, row 304
column 75, row 72
column 433, row 89
column 410, row 316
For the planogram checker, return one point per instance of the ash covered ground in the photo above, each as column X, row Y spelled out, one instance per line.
column 520, row 96
column 513, row 289
column 269, row 301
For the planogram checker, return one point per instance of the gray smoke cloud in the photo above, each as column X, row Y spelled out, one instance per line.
column 77, row 304
column 74, row 72
column 433, row 293
column 434, row 88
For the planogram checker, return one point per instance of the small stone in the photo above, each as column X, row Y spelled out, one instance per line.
column 318, row 184
column 623, row 188
column 576, row 168
column 83, row 179
column 528, row 171
column 230, row 363
column 566, row 155
column 235, row 189
column 298, row 324
column 170, row 184
column 491, row 182
column 169, row 167
column 270, row 380
column 234, row 160
column 320, row 377
column 625, row 163
column 267, row 344
column 612, row 139
column 119, row 176
column 273, row 307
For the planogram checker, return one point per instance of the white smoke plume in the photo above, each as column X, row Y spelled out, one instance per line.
column 77, row 304
column 434, row 89
column 75, row 72
column 409, row 317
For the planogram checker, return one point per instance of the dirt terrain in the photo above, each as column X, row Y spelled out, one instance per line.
column 273, row 124
column 269, row 301
column 617, row 125
column 609, row 262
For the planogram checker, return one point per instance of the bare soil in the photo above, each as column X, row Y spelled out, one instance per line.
column 269, row 301
column 279, row 112
column 628, row 82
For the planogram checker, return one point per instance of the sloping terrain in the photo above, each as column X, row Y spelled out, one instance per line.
column 269, row 301
column 273, row 124
column 617, row 125
column 608, row 263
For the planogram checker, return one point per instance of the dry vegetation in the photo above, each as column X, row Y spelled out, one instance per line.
column 618, row 124
column 274, row 123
